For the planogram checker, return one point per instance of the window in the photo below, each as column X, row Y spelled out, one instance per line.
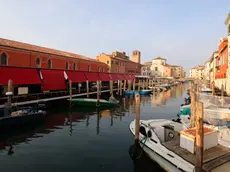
column 89, row 68
column 49, row 64
column 74, row 67
column 102, row 69
column 107, row 61
column 98, row 69
column 156, row 68
column 3, row 59
column 107, row 69
column 116, row 63
column 111, row 62
column 38, row 63
column 67, row 65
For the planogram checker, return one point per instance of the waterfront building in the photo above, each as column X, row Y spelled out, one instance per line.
column 197, row 72
column 146, row 69
column 221, row 64
column 18, row 54
column 119, row 62
column 157, row 67
column 227, row 22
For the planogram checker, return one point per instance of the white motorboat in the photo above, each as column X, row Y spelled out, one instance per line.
column 164, row 146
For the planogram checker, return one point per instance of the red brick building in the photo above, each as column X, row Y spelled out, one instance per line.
column 18, row 54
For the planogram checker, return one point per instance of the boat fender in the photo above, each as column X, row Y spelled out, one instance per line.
column 171, row 135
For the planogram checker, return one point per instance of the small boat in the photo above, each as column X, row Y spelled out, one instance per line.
column 171, row 145
column 92, row 102
column 21, row 117
column 131, row 92
column 145, row 92
column 206, row 91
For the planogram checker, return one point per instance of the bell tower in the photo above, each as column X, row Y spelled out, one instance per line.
column 136, row 56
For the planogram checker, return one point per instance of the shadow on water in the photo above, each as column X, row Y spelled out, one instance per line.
column 85, row 138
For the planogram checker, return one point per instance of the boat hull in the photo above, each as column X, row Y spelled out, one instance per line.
column 19, row 121
column 92, row 102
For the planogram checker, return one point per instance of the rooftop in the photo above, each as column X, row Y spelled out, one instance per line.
column 35, row 48
column 159, row 58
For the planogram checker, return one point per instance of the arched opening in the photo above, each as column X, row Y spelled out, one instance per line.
column 49, row 64
column 38, row 63
column 67, row 65
column 98, row 69
column 89, row 68
column 102, row 69
column 74, row 67
column 3, row 59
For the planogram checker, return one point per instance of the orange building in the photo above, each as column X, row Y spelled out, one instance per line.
column 222, row 59
column 18, row 54
column 118, row 62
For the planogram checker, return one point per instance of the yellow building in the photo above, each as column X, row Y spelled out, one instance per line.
column 118, row 62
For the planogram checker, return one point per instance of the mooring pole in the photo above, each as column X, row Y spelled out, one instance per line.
column 111, row 88
column 70, row 93
column 120, row 88
column 193, row 105
column 9, row 98
column 199, row 137
column 87, row 88
column 134, row 85
column 98, row 92
column 139, row 85
column 137, row 124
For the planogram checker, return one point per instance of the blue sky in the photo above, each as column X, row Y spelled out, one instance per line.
column 186, row 32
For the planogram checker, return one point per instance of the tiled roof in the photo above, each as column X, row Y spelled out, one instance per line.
column 159, row 58
column 147, row 64
column 29, row 47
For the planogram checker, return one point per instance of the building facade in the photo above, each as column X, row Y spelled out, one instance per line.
column 146, row 69
column 227, row 22
column 197, row 72
column 119, row 62
column 221, row 64
column 18, row 54
column 157, row 67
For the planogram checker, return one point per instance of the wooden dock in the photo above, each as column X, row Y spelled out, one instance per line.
column 56, row 98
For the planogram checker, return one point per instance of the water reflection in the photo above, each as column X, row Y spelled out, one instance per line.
column 101, row 126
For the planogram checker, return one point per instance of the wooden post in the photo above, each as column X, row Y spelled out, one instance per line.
column 111, row 88
column 87, row 88
column 213, row 88
column 199, row 137
column 118, row 85
column 70, row 93
column 124, row 85
column 129, row 86
column 9, row 97
column 134, row 85
column 137, row 124
column 222, row 95
column 98, row 92
column 100, row 85
column 193, row 105
column 139, row 85
column 121, row 88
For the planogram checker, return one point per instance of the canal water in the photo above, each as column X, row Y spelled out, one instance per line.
column 85, row 140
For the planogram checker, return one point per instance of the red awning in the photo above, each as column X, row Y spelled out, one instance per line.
column 53, row 80
column 19, row 76
column 121, row 77
column 76, row 76
column 104, row 76
column 92, row 76
column 114, row 77
column 132, row 76
column 127, row 77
